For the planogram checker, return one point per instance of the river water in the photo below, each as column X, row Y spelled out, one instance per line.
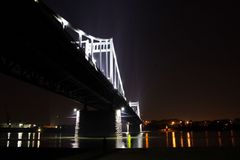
column 142, row 140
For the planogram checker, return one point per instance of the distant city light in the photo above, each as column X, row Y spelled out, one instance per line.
column 146, row 122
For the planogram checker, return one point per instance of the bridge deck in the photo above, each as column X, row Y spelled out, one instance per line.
column 39, row 51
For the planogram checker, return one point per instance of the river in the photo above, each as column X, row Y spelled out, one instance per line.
column 156, row 139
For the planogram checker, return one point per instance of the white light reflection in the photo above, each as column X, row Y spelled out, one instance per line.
column 118, row 128
column 118, row 121
column 33, row 139
column 7, row 143
column 127, row 127
column 8, row 138
column 39, row 136
column 76, row 139
column 19, row 143
column 140, row 140
column 28, row 144
column 33, row 135
column 8, row 135
column 29, row 135
column 77, row 120
column 28, row 140
column 119, row 141
column 38, row 139
column 140, row 126
column 33, row 143
column 76, row 142
column 38, row 143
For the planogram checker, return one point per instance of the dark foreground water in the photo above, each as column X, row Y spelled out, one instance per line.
column 178, row 139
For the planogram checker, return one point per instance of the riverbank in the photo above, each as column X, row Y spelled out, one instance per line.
column 122, row 154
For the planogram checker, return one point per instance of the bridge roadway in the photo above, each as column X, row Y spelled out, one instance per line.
column 37, row 50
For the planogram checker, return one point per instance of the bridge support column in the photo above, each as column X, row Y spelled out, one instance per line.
column 131, row 127
column 98, row 123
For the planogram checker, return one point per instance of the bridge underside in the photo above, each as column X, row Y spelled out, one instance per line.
column 38, row 51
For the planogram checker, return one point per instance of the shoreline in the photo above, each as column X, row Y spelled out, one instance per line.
column 218, row 153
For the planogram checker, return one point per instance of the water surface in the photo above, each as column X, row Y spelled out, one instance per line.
column 157, row 139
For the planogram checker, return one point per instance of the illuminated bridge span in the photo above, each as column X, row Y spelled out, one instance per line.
column 99, row 52
column 43, row 49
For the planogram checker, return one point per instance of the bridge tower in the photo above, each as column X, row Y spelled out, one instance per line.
column 136, row 109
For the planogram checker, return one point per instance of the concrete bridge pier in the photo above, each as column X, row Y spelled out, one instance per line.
column 131, row 127
column 105, row 123
column 97, row 123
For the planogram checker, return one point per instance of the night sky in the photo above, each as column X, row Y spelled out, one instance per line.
column 179, row 59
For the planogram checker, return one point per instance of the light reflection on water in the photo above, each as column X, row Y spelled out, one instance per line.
column 188, row 139
column 173, row 140
column 124, row 140
column 146, row 139
column 181, row 139
column 167, row 144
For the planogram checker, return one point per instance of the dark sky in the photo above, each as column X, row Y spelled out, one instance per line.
column 179, row 59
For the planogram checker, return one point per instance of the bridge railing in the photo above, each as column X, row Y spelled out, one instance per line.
column 99, row 52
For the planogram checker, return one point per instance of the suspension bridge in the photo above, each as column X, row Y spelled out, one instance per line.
column 44, row 49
